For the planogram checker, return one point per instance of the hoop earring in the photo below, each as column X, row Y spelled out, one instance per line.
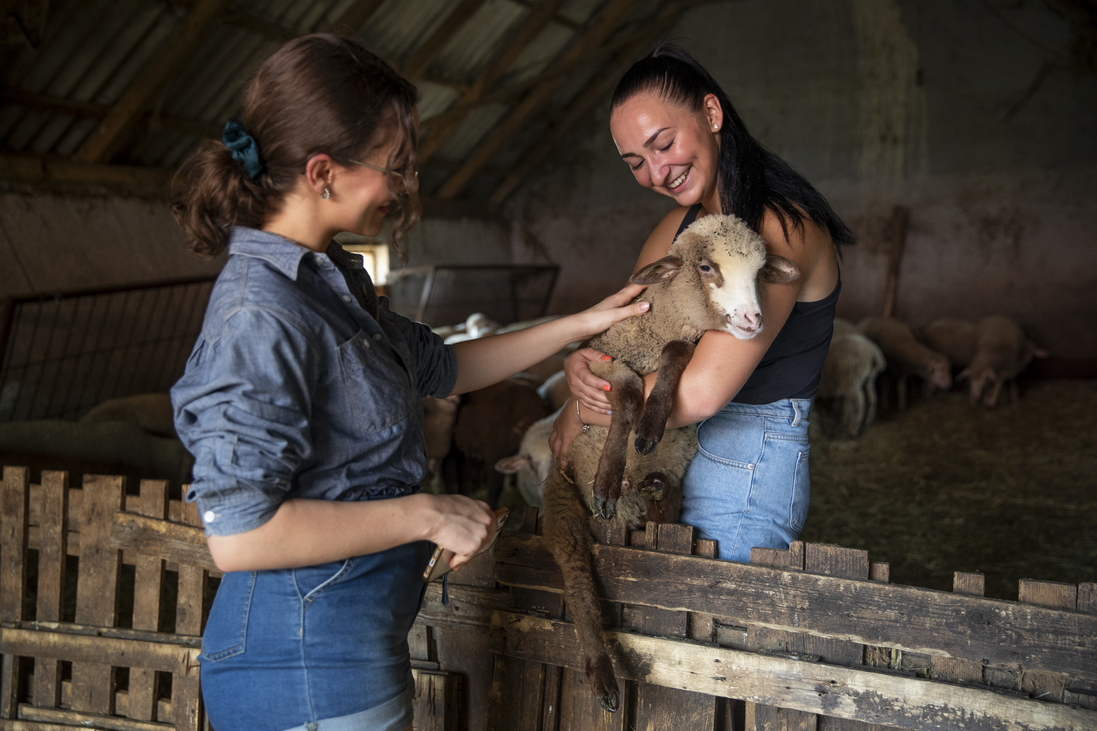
column 326, row 194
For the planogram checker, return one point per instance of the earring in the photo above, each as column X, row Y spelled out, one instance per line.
column 326, row 194
column 716, row 126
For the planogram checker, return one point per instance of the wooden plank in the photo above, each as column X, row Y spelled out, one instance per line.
column 517, row 698
column 1040, row 684
column 162, row 652
column 855, row 693
column 608, row 20
column 702, row 626
column 156, row 74
column 659, row 707
column 424, row 56
column 902, row 617
column 356, row 15
column 1087, row 597
column 436, row 701
column 97, row 589
column 52, row 553
column 147, row 582
column 189, row 620
column 954, row 669
column 896, row 237
column 14, row 508
column 66, row 719
column 174, row 542
column 579, row 709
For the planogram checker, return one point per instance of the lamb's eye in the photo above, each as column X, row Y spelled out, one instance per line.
column 705, row 268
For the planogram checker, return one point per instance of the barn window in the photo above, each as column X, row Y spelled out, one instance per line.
column 374, row 255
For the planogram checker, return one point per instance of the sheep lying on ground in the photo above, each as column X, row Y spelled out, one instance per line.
column 906, row 356
column 1001, row 352
column 709, row 281
column 849, row 376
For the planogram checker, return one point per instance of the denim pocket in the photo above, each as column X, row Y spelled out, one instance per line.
column 378, row 388
column 311, row 581
column 227, row 628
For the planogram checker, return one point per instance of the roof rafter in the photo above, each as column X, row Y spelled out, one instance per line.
column 533, row 26
column 417, row 64
column 100, row 143
column 608, row 20
column 595, row 90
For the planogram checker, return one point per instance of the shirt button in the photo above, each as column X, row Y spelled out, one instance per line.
column 346, row 298
column 209, row 516
column 377, row 336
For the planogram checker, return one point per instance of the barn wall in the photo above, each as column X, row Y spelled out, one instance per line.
column 971, row 115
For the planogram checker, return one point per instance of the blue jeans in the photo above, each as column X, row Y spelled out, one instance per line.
column 322, row 648
column 748, row 485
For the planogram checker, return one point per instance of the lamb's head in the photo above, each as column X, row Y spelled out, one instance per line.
column 721, row 260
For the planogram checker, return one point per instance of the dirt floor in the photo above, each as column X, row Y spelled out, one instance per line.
column 945, row 486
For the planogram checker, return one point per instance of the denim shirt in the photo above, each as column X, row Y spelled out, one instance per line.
column 295, row 389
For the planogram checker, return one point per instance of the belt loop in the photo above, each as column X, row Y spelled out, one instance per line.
column 796, row 412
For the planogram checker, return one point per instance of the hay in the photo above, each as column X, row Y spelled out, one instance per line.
column 947, row 487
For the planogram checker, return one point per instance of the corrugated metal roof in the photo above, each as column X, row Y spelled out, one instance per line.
column 55, row 96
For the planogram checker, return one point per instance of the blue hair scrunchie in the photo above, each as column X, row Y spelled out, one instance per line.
column 243, row 146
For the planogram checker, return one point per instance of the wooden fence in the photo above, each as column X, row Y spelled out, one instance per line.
column 103, row 596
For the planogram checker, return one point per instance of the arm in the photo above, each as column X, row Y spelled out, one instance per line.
column 489, row 360
column 308, row 532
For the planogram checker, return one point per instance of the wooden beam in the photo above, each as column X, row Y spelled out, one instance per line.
column 154, row 650
column 609, row 19
column 354, row 17
column 991, row 631
column 869, row 696
column 556, row 17
column 37, row 170
column 598, row 87
column 176, row 542
column 195, row 29
column 461, row 14
column 519, row 42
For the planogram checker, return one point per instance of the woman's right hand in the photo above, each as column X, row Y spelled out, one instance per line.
column 461, row 525
column 587, row 388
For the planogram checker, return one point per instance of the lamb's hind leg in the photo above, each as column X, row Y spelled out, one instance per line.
column 672, row 361
column 626, row 397
column 567, row 534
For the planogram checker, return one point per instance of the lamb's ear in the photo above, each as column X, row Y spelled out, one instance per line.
column 779, row 270
column 663, row 270
column 510, row 465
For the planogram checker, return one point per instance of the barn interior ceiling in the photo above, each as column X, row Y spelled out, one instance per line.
column 119, row 92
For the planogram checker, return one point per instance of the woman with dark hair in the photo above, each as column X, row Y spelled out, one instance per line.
column 748, row 485
column 301, row 399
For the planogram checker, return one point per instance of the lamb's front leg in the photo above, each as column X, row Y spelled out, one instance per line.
column 672, row 362
column 626, row 397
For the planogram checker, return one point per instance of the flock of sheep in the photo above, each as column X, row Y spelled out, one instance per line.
column 990, row 352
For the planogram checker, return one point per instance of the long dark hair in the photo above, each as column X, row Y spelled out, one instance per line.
column 316, row 94
column 750, row 178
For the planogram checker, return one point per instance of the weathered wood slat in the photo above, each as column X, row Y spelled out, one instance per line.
column 165, row 653
column 954, row 669
column 97, row 589
column 51, row 579
column 47, row 717
column 176, row 542
column 437, row 700
column 864, row 695
column 189, row 620
column 14, row 506
column 147, row 585
column 909, row 618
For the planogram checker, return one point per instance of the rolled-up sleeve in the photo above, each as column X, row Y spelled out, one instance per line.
column 243, row 410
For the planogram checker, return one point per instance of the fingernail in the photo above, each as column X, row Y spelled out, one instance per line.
column 606, row 387
column 607, row 357
column 644, row 306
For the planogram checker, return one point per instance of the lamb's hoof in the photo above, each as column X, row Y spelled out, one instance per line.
column 604, row 684
column 602, row 507
column 645, row 445
column 653, row 487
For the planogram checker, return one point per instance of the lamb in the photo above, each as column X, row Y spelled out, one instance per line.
column 152, row 412
column 849, row 374
column 1001, row 352
column 906, row 356
column 842, row 327
column 555, row 390
column 952, row 337
column 708, row 281
column 532, row 463
column 439, row 418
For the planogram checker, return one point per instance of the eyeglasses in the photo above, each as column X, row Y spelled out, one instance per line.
column 409, row 180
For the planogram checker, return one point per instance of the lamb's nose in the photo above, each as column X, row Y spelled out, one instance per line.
column 752, row 320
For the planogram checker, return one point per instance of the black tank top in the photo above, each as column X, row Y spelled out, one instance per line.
column 792, row 366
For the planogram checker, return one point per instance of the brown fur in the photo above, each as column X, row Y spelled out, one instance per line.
column 906, row 356
column 1001, row 352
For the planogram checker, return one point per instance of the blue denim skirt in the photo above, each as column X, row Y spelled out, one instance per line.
column 748, row 485
column 322, row 648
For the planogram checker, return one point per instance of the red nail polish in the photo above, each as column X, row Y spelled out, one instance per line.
column 606, row 387
column 607, row 357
